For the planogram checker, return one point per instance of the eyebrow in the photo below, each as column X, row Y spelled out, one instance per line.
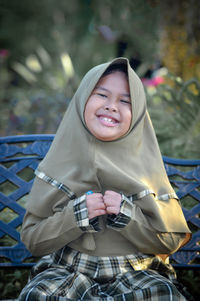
column 104, row 89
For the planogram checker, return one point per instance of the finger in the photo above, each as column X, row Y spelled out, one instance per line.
column 96, row 213
column 95, row 201
column 100, row 212
column 112, row 210
column 99, row 205
column 111, row 192
column 110, row 201
column 95, row 205
column 94, row 196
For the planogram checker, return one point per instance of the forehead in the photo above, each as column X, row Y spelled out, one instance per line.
column 113, row 80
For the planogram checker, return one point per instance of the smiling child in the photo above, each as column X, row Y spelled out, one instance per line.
column 102, row 212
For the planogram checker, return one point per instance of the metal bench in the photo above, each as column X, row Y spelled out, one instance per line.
column 19, row 157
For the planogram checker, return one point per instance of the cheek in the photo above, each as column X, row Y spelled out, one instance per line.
column 128, row 119
column 89, row 113
column 87, row 117
column 91, row 107
column 87, row 110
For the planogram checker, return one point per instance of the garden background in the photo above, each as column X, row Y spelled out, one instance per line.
column 46, row 46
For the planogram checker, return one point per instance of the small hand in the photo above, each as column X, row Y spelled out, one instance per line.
column 95, row 205
column 112, row 201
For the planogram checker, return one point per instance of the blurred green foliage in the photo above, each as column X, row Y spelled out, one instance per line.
column 76, row 27
column 175, row 111
column 12, row 282
column 39, row 107
column 48, row 47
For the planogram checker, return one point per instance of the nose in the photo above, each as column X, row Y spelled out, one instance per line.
column 112, row 109
column 111, row 106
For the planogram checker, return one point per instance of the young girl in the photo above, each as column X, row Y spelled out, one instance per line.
column 101, row 208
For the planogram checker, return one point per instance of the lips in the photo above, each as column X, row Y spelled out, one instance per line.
column 108, row 120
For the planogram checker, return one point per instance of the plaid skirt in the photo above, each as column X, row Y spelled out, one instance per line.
column 70, row 275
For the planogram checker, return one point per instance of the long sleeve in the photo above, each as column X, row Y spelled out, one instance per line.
column 65, row 222
column 82, row 218
column 46, row 235
column 137, row 225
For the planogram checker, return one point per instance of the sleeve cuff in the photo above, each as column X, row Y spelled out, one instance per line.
column 81, row 216
column 122, row 219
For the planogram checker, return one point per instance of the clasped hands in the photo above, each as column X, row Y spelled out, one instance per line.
column 99, row 204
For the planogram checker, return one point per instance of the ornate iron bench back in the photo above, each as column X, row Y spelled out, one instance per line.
column 19, row 157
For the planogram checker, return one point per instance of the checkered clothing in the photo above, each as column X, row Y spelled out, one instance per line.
column 69, row 275
column 81, row 215
column 124, row 216
column 113, row 221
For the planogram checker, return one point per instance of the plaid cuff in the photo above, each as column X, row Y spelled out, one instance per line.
column 122, row 219
column 81, row 215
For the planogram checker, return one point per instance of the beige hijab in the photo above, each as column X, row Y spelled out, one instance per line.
column 131, row 164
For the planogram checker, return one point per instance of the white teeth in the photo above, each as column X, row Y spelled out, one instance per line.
column 108, row 119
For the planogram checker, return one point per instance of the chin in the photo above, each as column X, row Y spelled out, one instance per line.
column 106, row 138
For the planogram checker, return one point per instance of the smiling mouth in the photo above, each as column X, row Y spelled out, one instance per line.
column 108, row 121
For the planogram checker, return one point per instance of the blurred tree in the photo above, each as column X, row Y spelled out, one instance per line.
column 74, row 27
column 175, row 113
column 47, row 40
column 180, row 37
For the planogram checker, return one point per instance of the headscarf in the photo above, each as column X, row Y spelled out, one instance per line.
column 131, row 164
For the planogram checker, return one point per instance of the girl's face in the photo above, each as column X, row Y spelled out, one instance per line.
column 108, row 109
